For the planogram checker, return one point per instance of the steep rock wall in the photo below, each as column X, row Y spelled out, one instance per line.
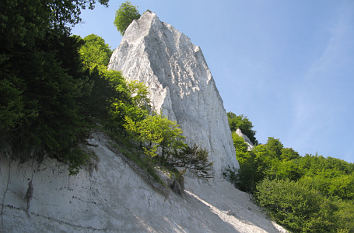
column 180, row 84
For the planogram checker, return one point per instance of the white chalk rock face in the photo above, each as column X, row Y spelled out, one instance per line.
column 245, row 138
column 115, row 198
column 180, row 84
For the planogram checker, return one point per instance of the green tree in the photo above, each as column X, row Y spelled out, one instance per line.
column 295, row 206
column 269, row 160
column 191, row 157
column 42, row 82
column 95, row 53
column 344, row 215
column 304, row 194
column 289, row 154
column 274, row 147
column 125, row 15
column 156, row 131
column 130, row 101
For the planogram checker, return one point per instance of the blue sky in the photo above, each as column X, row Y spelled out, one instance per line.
column 287, row 65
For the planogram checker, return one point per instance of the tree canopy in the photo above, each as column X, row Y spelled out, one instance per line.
column 305, row 194
column 43, row 86
column 125, row 15
column 95, row 52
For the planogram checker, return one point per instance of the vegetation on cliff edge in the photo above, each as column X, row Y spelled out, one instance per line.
column 55, row 89
column 305, row 194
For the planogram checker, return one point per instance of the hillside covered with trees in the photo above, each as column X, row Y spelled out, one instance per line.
column 308, row 193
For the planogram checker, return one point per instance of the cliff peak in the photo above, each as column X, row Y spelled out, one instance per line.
column 180, row 83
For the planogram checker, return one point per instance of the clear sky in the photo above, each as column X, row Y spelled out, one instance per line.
column 287, row 65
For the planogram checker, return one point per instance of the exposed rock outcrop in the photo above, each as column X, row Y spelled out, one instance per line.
column 245, row 138
column 180, row 84
column 114, row 198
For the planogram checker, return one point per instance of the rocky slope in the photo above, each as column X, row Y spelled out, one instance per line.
column 180, row 84
column 114, row 198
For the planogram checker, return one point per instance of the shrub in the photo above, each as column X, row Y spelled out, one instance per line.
column 295, row 206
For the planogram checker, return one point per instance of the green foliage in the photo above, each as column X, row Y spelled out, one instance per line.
column 78, row 158
column 287, row 169
column 341, row 186
column 52, row 121
column 255, row 165
column 274, row 147
column 305, row 194
column 156, row 132
column 24, row 22
column 239, row 143
column 331, row 166
column 191, row 157
column 43, row 86
column 231, row 175
column 160, row 139
column 131, row 101
column 95, row 53
column 295, row 206
column 55, row 88
column 289, row 154
column 344, row 215
column 242, row 123
column 301, row 208
column 125, row 15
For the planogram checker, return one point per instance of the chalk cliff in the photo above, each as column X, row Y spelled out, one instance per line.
column 245, row 138
column 115, row 198
column 180, row 84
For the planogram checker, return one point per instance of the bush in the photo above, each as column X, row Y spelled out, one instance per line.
column 295, row 206
column 125, row 15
